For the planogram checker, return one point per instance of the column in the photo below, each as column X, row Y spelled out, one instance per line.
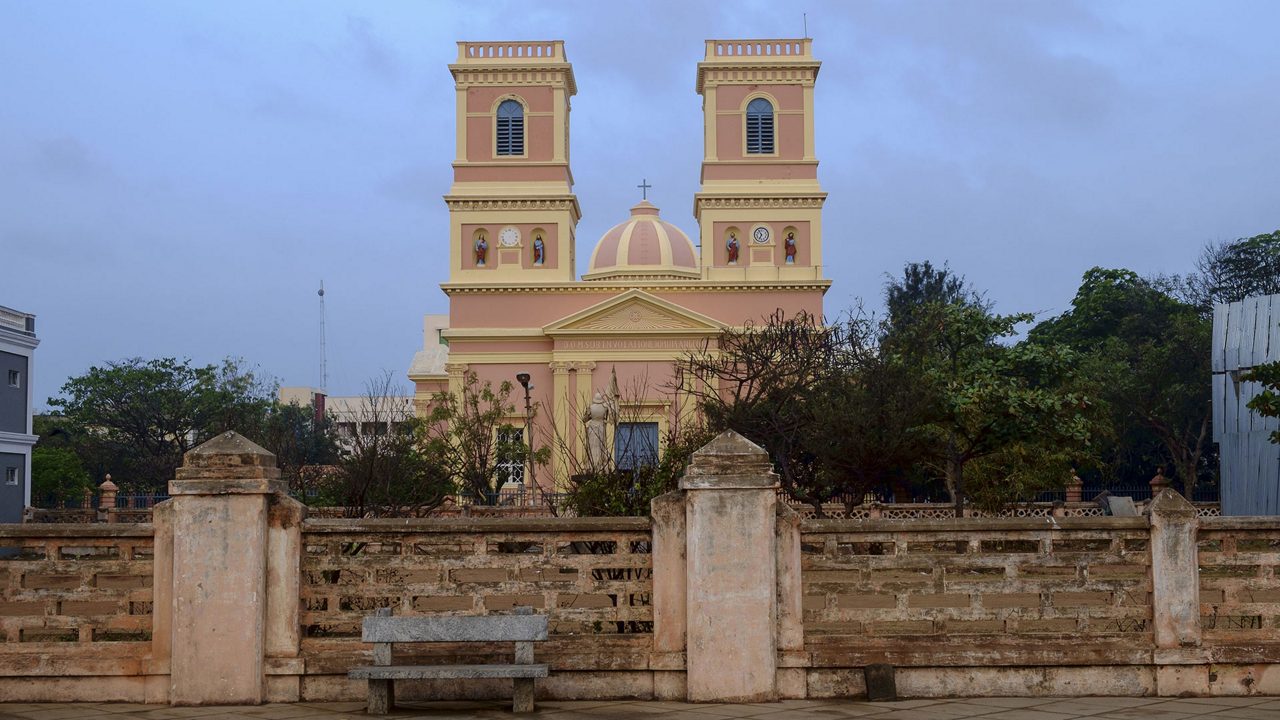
column 583, row 371
column 562, row 433
column 219, row 572
column 1182, row 665
column 731, row 575
column 457, row 378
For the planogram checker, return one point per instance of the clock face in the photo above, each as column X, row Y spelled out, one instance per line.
column 761, row 234
column 509, row 237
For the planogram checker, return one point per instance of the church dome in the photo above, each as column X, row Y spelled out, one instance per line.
column 643, row 248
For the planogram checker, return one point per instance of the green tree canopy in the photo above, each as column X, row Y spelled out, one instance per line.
column 1149, row 353
column 135, row 418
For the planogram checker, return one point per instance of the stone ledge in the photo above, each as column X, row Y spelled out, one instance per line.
column 77, row 531
column 971, row 525
column 483, row 525
column 227, row 486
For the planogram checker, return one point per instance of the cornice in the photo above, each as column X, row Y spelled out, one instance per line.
column 459, row 203
column 713, row 202
column 599, row 286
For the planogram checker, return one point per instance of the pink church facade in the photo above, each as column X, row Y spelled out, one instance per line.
column 651, row 293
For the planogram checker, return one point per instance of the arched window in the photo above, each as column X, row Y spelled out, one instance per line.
column 510, row 139
column 760, row 127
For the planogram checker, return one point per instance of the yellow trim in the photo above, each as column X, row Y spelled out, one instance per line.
column 501, row 358
column 565, row 324
column 710, row 150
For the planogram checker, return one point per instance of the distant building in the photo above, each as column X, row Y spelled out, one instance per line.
column 17, row 346
column 351, row 415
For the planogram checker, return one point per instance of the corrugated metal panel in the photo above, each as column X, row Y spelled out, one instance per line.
column 1245, row 334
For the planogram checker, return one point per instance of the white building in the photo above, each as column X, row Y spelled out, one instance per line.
column 17, row 347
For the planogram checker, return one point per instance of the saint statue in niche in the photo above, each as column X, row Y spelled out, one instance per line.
column 732, row 247
column 482, row 250
column 790, row 246
column 539, row 251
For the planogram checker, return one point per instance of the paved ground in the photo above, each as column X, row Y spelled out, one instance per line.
column 1093, row 708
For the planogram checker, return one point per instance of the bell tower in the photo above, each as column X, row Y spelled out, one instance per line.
column 512, row 211
column 759, row 208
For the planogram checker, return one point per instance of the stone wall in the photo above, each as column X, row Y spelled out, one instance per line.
column 593, row 578
column 76, row 610
column 233, row 596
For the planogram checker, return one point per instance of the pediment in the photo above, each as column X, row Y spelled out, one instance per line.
column 635, row 311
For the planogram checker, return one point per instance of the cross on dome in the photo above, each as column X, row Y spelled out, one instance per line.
column 644, row 189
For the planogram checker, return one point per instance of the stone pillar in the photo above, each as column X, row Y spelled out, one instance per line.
column 792, row 676
column 669, row 596
column 221, row 497
column 1075, row 488
column 731, row 575
column 1175, row 595
column 107, row 499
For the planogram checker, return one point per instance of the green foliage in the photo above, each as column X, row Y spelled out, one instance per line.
column 1016, row 406
column 1267, row 402
column 135, row 418
column 1148, row 354
column 57, row 475
column 298, row 439
column 922, row 285
column 1231, row 271
column 470, row 436
column 615, row 492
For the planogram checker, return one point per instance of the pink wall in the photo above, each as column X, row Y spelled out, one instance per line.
column 539, row 130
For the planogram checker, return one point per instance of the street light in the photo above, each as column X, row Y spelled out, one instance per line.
column 523, row 378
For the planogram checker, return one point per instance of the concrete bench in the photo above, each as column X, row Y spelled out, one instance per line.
column 523, row 628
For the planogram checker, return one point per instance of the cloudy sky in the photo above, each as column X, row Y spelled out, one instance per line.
column 176, row 178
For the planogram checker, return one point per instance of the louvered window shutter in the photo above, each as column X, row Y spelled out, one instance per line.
column 760, row 127
column 510, row 139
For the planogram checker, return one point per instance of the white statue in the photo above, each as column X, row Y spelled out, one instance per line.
column 596, row 416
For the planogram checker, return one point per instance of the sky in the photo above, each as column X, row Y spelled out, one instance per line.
column 177, row 178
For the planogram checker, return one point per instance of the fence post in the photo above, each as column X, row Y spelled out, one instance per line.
column 1175, row 593
column 107, row 500
column 731, row 580
column 219, row 572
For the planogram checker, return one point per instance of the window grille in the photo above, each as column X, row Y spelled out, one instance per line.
column 760, row 127
column 510, row 139
column 510, row 456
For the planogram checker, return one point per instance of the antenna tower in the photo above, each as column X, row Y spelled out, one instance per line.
column 324, row 365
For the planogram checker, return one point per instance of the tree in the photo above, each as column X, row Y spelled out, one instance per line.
column 1005, row 404
column 1231, row 271
column 612, row 491
column 470, row 434
column 57, row 475
column 135, row 418
column 1267, row 402
column 299, row 439
column 922, row 285
column 838, row 415
column 1150, row 352
column 390, row 469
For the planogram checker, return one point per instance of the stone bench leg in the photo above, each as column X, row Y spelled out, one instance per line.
column 381, row 697
column 524, row 695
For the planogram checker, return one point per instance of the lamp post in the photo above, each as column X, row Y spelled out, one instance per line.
column 523, row 378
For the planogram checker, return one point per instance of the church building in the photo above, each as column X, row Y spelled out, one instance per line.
column 652, row 292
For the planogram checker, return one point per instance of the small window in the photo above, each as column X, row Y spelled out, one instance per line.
column 635, row 445
column 760, row 127
column 510, row 455
column 11, row 476
column 15, row 378
column 510, row 140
